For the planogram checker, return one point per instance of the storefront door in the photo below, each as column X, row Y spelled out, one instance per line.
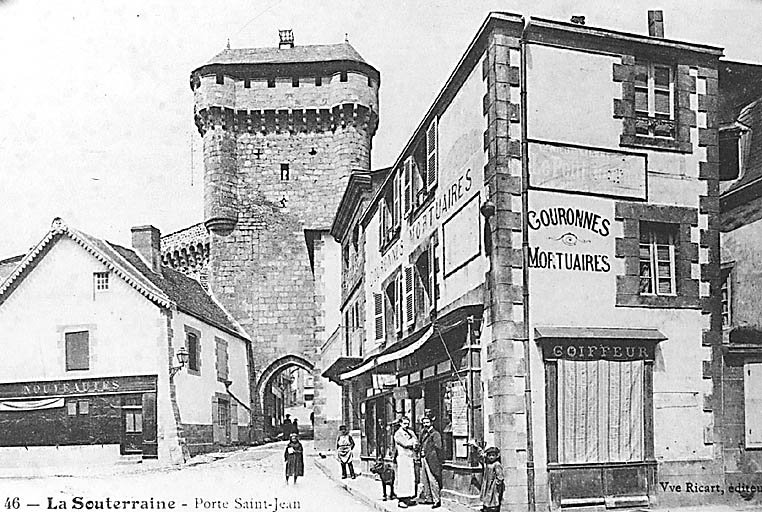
column 132, row 424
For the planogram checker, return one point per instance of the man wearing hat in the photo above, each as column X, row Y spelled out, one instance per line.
column 431, row 462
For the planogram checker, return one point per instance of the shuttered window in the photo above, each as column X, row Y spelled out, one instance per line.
column 397, row 203
column 600, row 411
column 431, row 155
column 77, row 350
column 752, row 390
column 378, row 314
column 399, row 309
column 234, row 422
column 194, row 356
column 222, row 359
column 407, row 184
column 409, row 294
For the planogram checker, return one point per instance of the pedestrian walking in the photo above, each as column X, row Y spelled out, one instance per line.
column 431, row 463
column 493, row 478
column 406, row 444
column 294, row 457
column 286, row 427
column 295, row 426
column 344, row 446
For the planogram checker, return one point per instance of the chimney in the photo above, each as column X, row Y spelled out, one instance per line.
column 656, row 24
column 146, row 240
column 286, row 38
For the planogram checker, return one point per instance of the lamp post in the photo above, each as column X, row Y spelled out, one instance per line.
column 182, row 357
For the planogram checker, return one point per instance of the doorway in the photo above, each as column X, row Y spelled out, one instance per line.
column 132, row 424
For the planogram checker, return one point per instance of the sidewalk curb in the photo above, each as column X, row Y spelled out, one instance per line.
column 359, row 496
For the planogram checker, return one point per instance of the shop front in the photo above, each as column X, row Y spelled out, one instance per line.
column 434, row 371
column 599, row 415
column 96, row 411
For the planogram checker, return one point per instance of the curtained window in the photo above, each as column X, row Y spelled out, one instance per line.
column 600, row 411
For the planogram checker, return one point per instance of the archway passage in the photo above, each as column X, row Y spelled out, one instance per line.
column 287, row 375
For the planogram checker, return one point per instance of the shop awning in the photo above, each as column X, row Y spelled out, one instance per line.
column 600, row 333
column 417, row 340
column 31, row 405
column 341, row 365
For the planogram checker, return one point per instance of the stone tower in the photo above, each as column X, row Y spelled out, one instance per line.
column 282, row 128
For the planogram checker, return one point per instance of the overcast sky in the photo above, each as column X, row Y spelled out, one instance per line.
column 96, row 114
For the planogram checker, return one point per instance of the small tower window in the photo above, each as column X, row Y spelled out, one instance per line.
column 295, row 81
column 370, row 82
column 318, row 81
column 246, row 83
column 220, row 79
column 284, row 172
column 343, row 76
column 271, row 82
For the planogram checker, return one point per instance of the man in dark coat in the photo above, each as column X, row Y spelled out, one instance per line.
column 431, row 463
column 287, row 427
column 294, row 457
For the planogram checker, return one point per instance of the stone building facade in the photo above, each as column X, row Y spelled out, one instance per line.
column 282, row 129
column 541, row 269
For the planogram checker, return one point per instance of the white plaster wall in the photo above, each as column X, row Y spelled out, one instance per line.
column 587, row 299
column 331, row 284
column 570, row 96
column 195, row 392
column 57, row 295
column 331, row 351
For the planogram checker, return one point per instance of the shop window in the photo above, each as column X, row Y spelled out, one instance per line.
column 193, row 345
column 133, row 421
column 600, row 411
column 657, row 259
column 101, row 281
column 221, row 347
column 445, row 391
column 726, row 294
column 654, row 100
column 370, row 429
column 77, row 350
column 752, row 389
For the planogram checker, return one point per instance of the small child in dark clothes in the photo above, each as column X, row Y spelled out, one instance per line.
column 493, row 479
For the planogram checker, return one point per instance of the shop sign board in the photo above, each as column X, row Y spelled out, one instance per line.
column 587, row 170
column 459, row 410
column 596, row 349
column 106, row 385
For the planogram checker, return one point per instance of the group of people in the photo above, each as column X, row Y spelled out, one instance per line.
column 410, row 448
column 290, row 427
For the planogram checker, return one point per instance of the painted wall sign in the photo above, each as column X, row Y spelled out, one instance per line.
column 572, row 229
column 78, row 387
column 591, row 350
column 587, row 170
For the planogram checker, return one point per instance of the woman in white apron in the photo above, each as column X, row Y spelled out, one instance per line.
column 406, row 443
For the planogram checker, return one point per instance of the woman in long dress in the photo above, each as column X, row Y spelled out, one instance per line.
column 294, row 457
column 407, row 444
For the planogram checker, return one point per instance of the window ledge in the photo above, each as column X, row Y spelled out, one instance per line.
column 659, row 143
column 658, row 301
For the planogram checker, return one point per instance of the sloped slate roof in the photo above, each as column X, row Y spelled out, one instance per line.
column 297, row 54
column 165, row 289
column 185, row 292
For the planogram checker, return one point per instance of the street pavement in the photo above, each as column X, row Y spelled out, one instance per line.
column 251, row 479
column 246, row 480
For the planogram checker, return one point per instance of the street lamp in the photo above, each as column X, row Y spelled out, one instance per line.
column 182, row 357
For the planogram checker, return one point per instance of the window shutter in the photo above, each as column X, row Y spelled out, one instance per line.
column 432, row 273
column 431, row 155
column 216, row 433
column 396, row 214
column 399, row 299
column 233, row 422
column 378, row 311
column 752, row 386
column 409, row 305
column 407, row 179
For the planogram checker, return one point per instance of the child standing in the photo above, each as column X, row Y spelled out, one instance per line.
column 294, row 458
column 493, row 478
column 344, row 446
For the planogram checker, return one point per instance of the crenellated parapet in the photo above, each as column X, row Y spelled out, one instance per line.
column 187, row 251
column 268, row 121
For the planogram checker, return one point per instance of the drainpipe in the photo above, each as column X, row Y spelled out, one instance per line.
column 525, row 271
